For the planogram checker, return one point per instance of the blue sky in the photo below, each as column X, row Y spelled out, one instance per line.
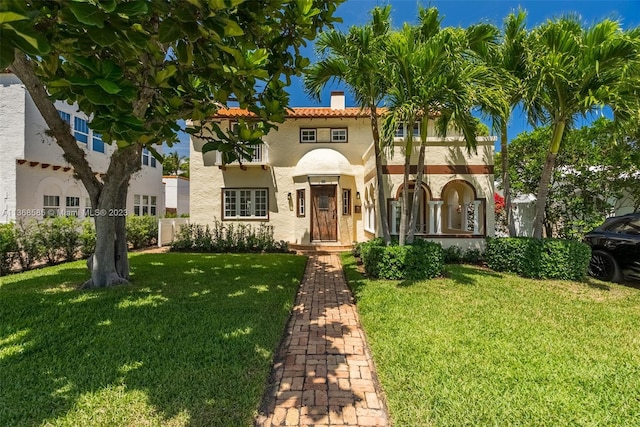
column 464, row 13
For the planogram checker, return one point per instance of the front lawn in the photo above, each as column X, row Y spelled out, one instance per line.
column 485, row 348
column 190, row 342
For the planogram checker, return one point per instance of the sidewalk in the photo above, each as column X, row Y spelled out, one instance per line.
column 323, row 375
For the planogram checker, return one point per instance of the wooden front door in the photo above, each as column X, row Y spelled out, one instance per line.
column 324, row 213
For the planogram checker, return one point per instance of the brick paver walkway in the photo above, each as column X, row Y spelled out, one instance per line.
column 324, row 375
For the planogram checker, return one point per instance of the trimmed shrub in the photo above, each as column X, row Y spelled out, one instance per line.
column 142, row 231
column 473, row 256
column 31, row 249
column 539, row 259
column 231, row 237
column 87, row 238
column 8, row 247
column 452, row 255
column 418, row 261
column 59, row 238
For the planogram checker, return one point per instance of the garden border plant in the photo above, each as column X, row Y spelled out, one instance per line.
column 59, row 239
column 232, row 237
column 539, row 258
column 420, row 260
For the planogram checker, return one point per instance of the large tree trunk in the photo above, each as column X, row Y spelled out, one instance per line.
column 545, row 179
column 506, row 185
column 110, row 262
column 381, row 198
column 417, row 193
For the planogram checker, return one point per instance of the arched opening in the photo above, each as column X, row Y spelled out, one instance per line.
column 424, row 214
column 463, row 212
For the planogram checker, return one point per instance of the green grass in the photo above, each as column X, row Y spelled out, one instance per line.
column 190, row 342
column 482, row 348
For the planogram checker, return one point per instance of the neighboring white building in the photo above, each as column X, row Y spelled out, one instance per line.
column 35, row 178
column 314, row 180
column 176, row 194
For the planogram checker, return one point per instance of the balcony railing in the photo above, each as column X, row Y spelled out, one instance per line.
column 259, row 157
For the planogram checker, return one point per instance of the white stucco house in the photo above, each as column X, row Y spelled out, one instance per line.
column 314, row 180
column 36, row 181
column 176, row 194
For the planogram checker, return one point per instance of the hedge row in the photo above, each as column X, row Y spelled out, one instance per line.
column 539, row 259
column 420, row 260
column 61, row 239
column 227, row 238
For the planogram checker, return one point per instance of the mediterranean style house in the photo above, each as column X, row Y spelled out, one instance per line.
column 314, row 180
column 36, row 181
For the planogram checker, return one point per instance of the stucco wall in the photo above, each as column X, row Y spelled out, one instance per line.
column 22, row 137
column 282, row 178
column 176, row 191
column 12, row 129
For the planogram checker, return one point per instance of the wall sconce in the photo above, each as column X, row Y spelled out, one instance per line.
column 289, row 196
column 357, row 195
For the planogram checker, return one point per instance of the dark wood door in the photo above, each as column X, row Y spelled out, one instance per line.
column 324, row 213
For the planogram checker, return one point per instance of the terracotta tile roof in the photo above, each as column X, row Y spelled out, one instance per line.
column 299, row 112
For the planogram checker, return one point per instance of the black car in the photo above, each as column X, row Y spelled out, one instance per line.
column 615, row 248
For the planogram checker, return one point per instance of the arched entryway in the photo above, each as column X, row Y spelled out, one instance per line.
column 424, row 221
column 463, row 212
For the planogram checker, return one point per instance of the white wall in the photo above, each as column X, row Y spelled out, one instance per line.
column 42, row 169
column 12, row 129
column 176, row 191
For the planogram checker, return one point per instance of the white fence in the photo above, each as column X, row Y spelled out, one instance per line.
column 168, row 228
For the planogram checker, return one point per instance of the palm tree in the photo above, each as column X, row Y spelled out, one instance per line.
column 572, row 71
column 355, row 58
column 173, row 164
column 507, row 64
column 436, row 78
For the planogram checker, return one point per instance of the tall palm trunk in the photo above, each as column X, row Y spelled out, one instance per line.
column 404, row 214
column 417, row 194
column 382, row 202
column 545, row 179
column 506, row 184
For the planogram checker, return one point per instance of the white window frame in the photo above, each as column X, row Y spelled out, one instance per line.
column 308, row 135
column 243, row 203
column 72, row 206
column 50, row 205
column 339, row 134
column 145, row 157
column 97, row 137
column 300, row 199
column 81, row 132
column 346, row 201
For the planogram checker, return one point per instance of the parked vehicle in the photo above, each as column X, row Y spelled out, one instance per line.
column 615, row 249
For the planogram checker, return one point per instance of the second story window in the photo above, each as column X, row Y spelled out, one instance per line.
column 402, row 129
column 307, row 135
column 65, row 116
column 97, row 144
column 80, row 130
column 148, row 159
column 339, row 135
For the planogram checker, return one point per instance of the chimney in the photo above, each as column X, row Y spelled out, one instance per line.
column 337, row 100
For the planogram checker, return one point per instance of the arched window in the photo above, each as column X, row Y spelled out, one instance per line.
column 463, row 212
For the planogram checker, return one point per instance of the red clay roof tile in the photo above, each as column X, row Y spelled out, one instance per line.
column 298, row 112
